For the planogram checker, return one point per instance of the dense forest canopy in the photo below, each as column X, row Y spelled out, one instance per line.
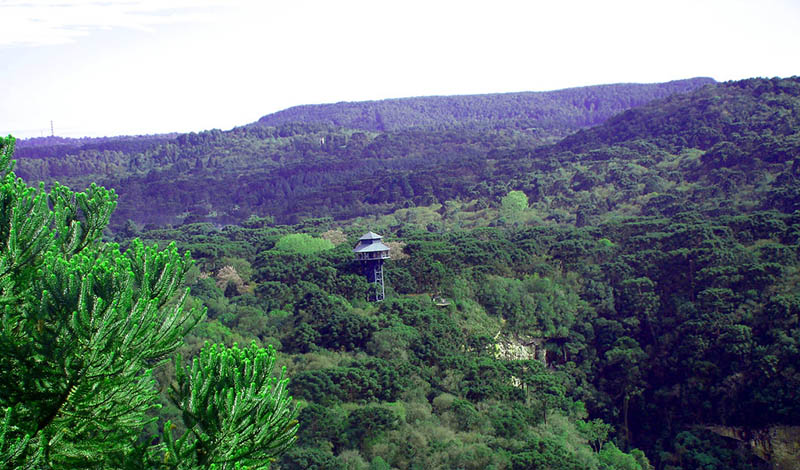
column 623, row 298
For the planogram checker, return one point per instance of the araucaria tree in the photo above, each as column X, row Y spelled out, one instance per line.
column 82, row 325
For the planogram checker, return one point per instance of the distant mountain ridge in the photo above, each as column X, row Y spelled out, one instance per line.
column 569, row 108
column 548, row 114
column 297, row 170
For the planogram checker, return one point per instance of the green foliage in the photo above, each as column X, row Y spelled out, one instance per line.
column 236, row 412
column 595, row 431
column 82, row 326
column 701, row 450
column 467, row 417
column 302, row 243
column 513, row 205
column 691, row 300
column 370, row 422
column 310, row 458
column 611, row 457
column 534, row 304
column 379, row 464
column 360, row 380
column 321, row 423
column 546, row 453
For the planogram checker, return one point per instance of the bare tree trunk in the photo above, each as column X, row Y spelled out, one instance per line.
column 625, row 403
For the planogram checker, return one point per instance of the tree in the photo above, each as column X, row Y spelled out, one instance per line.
column 236, row 411
column 512, row 206
column 612, row 457
column 624, row 371
column 370, row 421
column 82, row 325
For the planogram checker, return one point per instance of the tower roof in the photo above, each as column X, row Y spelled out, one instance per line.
column 376, row 246
column 370, row 236
column 370, row 242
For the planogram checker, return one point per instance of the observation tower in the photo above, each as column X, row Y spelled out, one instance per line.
column 372, row 252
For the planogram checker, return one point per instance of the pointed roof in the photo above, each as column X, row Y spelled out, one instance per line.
column 370, row 242
column 370, row 236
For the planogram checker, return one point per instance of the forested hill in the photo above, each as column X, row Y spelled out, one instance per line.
column 725, row 149
column 309, row 170
column 54, row 146
column 753, row 115
column 563, row 110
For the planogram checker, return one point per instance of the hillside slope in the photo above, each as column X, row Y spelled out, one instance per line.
column 563, row 110
column 726, row 149
column 299, row 170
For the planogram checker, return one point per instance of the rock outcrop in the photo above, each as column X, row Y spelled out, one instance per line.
column 778, row 445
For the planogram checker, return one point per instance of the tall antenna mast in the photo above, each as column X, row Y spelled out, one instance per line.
column 52, row 133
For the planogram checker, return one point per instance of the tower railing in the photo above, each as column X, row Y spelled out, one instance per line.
column 372, row 255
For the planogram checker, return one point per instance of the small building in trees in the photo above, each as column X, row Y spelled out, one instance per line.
column 371, row 252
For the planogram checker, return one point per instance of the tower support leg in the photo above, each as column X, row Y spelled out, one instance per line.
column 380, row 292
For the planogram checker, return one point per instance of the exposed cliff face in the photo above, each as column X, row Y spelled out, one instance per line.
column 518, row 347
column 778, row 445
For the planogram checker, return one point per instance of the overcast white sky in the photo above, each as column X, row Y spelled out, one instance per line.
column 147, row 66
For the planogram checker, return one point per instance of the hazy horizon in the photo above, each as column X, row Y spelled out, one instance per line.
column 147, row 66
